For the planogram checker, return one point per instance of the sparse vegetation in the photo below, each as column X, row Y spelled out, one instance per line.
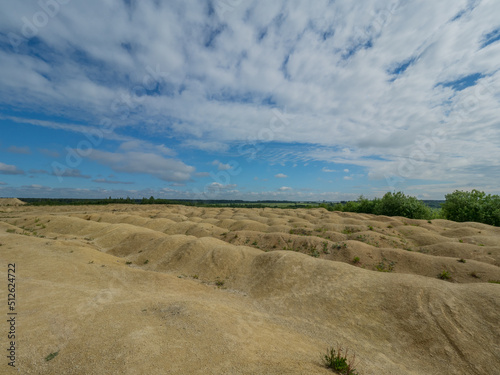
column 338, row 361
column 494, row 281
column 383, row 267
column 146, row 261
column 356, row 260
column 462, row 260
column 51, row 356
column 444, row 275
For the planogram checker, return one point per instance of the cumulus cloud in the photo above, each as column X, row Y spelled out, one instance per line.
column 106, row 181
column 19, row 150
column 221, row 166
column 141, row 162
column 10, row 169
column 69, row 172
column 285, row 188
column 280, row 175
column 375, row 79
column 49, row 153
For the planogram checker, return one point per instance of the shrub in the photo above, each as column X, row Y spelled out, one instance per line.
column 445, row 275
column 356, row 260
column 472, row 206
column 399, row 204
column 338, row 362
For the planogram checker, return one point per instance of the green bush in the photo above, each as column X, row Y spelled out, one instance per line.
column 399, row 204
column 472, row 206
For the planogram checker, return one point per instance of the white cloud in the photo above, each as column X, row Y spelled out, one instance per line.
column 280, row 175
column 285, row 188
column 19, row 150
column 10, row 169
column 147, row 163
column 329, row 63
column 221, row 166
column 49, row 153
column 346, row 170
column 325, row 169
column 106, row 181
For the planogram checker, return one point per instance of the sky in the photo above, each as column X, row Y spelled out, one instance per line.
column 253, row 100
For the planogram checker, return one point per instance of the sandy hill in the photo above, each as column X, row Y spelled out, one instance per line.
column 11, row 202
column 184, row 290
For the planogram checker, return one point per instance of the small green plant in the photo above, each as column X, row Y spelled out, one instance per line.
column 381, row 267
column 196, row 277
column 219, row 283
column 494, row 281
column 254, row 243
column 128, row 262
column 349, row 230
column 146, row 261
column 336, row 360
column 370, row 227
column 325, row 248
column 474, row 275
column 390, row 226
column 430, row 222
column 444, row 275
column 51, row 356
column 315, row 253
column 11, row 231
column 462, row 260
column 461, row 241
column 356, row 260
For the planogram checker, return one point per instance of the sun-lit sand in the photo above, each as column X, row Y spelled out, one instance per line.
column 138, row 289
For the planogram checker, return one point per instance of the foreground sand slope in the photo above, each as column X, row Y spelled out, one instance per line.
column 191, row 301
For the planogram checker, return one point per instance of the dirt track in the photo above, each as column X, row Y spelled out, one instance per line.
column 182, row 290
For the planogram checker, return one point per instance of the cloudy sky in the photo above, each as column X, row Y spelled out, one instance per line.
column 241, row 99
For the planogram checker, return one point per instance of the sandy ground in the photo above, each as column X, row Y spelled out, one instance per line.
column 182, row 290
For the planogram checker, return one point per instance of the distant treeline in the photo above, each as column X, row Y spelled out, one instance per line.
column 459, row 206
column 153, row 200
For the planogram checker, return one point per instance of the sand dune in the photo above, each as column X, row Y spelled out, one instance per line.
column 185, row 290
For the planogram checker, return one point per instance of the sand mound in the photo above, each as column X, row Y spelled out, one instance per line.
column 11, row 202
column 185, row 290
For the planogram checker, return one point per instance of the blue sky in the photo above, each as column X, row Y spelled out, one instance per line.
column 253, row 100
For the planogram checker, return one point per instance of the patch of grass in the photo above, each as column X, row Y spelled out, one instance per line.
column 339, row 361
column 462, row 260
column 494, row 281
column 11, row 231
column 128, row 262
column 196, row 277
column 146, row 261
column 461, row 241
column 430, row 222
column 51, row 356
column 356, row 260
column 474, row 275
column 325, row 248
column 370, row 227
column 254, row 243
column 315, row 253
column 349, row 230
column 390, row 226
column 382, row 267
column 219, row 283
column 444, row 275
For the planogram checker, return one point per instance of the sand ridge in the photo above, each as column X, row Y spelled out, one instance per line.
column 175, row 290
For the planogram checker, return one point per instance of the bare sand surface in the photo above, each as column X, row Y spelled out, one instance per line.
column 138, row 289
